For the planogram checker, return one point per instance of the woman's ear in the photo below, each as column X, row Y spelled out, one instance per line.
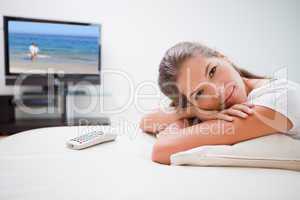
column 245, row 79
column 247, row 84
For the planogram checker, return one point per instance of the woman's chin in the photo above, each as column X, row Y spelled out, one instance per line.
column 236, row 100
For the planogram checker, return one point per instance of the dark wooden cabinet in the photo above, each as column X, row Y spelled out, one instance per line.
column 9, row 125
column 28, row 124
column 7, row 111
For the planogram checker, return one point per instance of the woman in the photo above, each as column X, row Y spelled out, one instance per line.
column 229, row 104
column 33, row 51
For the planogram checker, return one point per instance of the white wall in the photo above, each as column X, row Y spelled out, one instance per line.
column 259, row 35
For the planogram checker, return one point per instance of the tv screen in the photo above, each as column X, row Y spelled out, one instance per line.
column 51, row 47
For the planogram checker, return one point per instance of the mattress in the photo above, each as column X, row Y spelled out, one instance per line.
column 36, row 164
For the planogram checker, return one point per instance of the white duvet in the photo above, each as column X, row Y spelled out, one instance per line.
column 37, row 165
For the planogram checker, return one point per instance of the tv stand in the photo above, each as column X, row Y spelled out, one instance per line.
column 44, row 91
column 16, row 126
column 54, row 95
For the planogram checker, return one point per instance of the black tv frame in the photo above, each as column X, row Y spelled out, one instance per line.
column 42, row 79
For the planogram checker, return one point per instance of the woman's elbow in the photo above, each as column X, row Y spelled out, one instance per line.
column 149, row 125
column 146, row 125
column 142, row 124
column 161, row 153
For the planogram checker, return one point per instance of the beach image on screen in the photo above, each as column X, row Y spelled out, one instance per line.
column 36, row 47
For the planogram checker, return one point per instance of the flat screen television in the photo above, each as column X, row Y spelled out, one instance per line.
column 37, row 48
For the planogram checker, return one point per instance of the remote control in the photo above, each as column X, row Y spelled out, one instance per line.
column 90, row 139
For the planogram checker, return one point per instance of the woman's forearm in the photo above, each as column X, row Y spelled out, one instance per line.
column 214, row 132
column 263, row 122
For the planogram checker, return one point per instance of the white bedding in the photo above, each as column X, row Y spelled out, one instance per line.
column 37, row 165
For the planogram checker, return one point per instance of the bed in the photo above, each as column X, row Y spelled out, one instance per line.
column 36, row 164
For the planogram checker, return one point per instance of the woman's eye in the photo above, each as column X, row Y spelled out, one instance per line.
column 212, row 72
column 198, row 94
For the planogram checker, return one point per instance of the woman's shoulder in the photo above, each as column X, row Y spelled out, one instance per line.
column 281, row 95
column 275, row 86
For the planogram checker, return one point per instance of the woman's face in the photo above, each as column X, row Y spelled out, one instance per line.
column 211, row 83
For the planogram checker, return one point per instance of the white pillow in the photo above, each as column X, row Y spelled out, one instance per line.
column 272, row 151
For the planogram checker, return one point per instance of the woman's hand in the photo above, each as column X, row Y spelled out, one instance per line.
column 237, row 110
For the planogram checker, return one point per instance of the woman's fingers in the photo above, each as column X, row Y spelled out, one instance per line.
column 236, row 113
column 242, row 107
column 238, row 110
column 206, row 114
column 250, row 105
column 224, row 116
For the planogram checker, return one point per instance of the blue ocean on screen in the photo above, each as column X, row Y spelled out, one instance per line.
column 54, row 48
